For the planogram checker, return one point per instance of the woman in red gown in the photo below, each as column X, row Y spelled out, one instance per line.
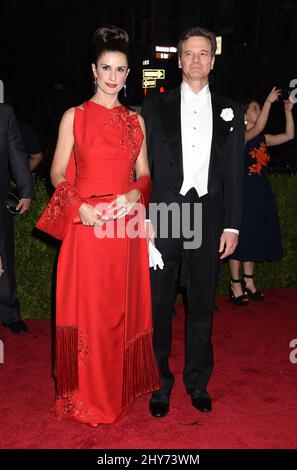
column 104, row 357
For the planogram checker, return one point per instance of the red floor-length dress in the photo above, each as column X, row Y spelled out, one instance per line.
column 104, row 355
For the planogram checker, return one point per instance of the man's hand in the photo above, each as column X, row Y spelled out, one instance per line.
column 228, row 243
column 23, row 205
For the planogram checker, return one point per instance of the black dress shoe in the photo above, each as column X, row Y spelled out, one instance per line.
column 159, row 409
column 200, row 400
column 18, row 327
column 159, row 404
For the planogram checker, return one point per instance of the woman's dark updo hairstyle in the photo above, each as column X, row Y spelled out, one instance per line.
column 247, row 104
column 110, row 39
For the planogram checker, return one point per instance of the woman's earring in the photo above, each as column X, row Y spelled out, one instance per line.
column 125, row 90
column 95, row 84
column 245, row 121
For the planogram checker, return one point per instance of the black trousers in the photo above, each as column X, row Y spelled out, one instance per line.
column 9, row 306
column 202, row 269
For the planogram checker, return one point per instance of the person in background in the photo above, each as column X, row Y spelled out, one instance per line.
column 260, row 236
column 13, row 161
column 27, row 117
column 32, row 144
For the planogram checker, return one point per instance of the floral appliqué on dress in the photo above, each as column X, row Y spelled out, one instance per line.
column 54, row 220
column 132, row 137
column 64, row 197
column 71, row 407
column 262, row 158
column 83, row 348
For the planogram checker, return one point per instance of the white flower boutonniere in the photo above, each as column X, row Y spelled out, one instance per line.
column 227, row 114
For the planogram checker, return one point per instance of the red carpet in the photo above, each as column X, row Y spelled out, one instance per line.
column 253, row 387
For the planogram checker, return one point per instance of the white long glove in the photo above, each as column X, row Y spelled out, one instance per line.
column 155, row 257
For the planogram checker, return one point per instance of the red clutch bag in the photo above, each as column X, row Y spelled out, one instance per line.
column 101, row 202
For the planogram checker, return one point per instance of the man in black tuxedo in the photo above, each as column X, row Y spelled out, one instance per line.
column 13, row 161
column 195, row 146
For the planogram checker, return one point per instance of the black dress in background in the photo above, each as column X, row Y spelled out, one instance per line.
column 260, row 237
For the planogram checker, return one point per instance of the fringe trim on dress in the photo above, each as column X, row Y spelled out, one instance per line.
column 66, row 370
column 141, row 373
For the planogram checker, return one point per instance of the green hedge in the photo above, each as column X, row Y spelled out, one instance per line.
column 36, row 254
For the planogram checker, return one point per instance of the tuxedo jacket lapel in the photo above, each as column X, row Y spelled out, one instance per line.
column 216, row 130
column 170, row 116
column 171, row 121
column 220, row 131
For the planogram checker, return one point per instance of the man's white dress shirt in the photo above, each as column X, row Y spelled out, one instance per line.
column 196, row 133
